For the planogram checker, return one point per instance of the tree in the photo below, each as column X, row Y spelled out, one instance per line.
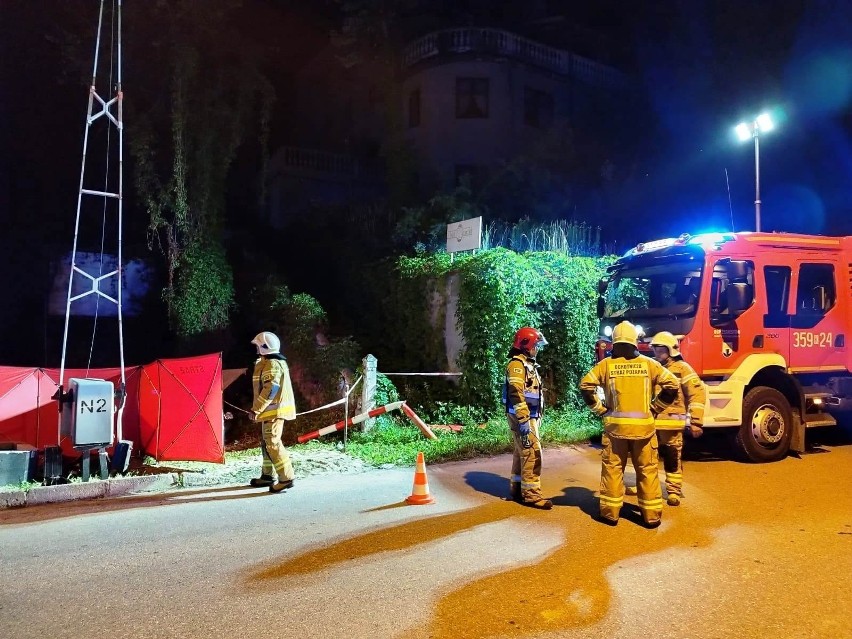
column 372, row 36
column 201, row 94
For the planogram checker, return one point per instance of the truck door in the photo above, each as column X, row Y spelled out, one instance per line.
column 778, row 282
column 735, row 320
column 817, row 330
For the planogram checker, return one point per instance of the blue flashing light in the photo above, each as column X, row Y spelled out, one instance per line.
column 711, row 241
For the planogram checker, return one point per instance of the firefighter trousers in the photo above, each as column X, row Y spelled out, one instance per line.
column 643, row 454
column 671, row 452
column 525, row 484
column 275, row 457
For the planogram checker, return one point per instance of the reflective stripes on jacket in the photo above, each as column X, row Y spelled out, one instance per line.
column 691, row 396
column 522, row 388
column 273, row 391
column 630, row 402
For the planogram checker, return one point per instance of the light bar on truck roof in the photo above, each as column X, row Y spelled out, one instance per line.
column 711, row 240
column 708, row 241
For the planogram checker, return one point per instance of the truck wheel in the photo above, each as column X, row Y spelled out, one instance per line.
column 767, row 425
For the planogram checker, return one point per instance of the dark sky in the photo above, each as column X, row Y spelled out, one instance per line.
column 707, row 66
column 700, row 65
column 703, row 66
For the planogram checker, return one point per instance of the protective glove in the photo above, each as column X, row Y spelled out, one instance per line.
column 693, row 430
column 524, row 432
column 253, row 416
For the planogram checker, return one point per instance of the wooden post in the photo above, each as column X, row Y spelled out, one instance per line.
column 368, row 389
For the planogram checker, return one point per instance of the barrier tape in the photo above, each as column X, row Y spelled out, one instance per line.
column 334, row 403
column 426, row 374
column 420, row 423
column 357, row 419
column 342, row 400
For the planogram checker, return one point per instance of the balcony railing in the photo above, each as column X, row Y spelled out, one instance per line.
column 293, row 157
column 504, row 43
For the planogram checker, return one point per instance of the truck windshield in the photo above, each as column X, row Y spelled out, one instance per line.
column 659, row 290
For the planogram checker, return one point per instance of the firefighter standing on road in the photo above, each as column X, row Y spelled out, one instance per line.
column 686, row 414
column 273, row 403
column 522, row 395
column 628, row 380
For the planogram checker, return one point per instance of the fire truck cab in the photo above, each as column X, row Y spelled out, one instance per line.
column 761, row 317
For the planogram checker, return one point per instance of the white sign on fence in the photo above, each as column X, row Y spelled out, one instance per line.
column 465, row 235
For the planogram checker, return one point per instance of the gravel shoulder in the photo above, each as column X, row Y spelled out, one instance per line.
column 240, row 469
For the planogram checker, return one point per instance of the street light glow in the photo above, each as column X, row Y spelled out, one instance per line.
column 753, row 129
column 743, row 131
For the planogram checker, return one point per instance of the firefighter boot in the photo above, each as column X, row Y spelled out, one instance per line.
column 515, row 492
column 541, row 504
column 280, row 485
column 673, row 499
column 262, row 482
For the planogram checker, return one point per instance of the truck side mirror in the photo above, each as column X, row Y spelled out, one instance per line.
column 820, row 299
column 602, row 284
column 736, row 269
column 740, row 297
column 601, row 306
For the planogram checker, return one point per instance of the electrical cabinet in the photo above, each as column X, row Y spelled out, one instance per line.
column 88, row 417
column 17, row 466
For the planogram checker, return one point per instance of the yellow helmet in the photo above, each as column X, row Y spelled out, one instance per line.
column 625, row 333
column 664, row 338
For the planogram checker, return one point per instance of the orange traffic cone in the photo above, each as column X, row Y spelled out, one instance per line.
column 420, row 492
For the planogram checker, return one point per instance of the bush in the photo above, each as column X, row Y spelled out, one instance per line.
column 398, row 443
column 499, row 292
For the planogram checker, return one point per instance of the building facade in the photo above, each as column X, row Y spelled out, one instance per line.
column 476, row 97
column 471, row 99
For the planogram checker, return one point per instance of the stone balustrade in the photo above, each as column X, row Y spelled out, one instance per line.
column 504, row 43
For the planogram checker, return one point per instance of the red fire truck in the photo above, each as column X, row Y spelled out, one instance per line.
column 762, row 318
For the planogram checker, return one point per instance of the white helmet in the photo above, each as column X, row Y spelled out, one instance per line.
column 267, row 343
column 625, row 333
column 664, row 338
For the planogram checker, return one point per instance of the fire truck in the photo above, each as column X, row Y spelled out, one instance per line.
column 761, row 317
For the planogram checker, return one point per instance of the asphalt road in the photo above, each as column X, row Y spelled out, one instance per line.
column 753, row 551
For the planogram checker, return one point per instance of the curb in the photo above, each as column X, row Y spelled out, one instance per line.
column 96, row 489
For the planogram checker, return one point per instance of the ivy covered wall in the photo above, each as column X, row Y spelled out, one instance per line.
column 499, row 291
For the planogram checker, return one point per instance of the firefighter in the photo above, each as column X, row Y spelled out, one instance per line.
column 686, row 414
column 273, row 403
column 629, row 380
column 522, row 395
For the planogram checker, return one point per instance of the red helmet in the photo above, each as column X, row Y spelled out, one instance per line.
column 528, row 338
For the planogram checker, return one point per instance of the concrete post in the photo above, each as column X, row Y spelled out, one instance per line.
column 368, row 389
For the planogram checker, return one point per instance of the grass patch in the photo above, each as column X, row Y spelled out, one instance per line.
column 24, row 485
column 395, row 441
column 398, row 444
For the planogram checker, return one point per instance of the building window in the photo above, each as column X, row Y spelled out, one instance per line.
column 816, row 292
column 471, row 97
column 473, row 174
column 414, row 108
column 777, row 280
column 538, row 108
column 816, row 295
column 374, row 96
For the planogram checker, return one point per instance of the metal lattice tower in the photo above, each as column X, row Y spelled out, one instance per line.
column 108, row 198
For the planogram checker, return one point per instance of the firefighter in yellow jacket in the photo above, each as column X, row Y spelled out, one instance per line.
column 273, row 403
column 686, row 414
column 629, row 380
column 522, row 395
